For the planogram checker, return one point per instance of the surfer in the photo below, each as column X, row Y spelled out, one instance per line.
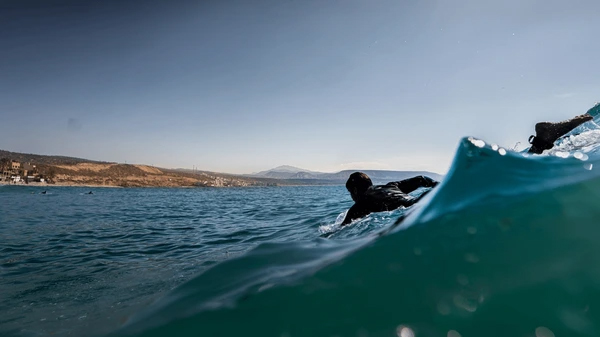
column 546, row 133
column 379, row 198
column 369, row 198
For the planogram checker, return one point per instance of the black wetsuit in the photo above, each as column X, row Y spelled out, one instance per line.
column 388, row 197
column 538, row 146
column 548, row 133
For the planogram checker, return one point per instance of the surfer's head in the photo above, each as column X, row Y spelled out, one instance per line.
column 357, row 184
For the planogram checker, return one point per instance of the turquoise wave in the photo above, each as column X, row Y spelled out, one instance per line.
column 506, row 245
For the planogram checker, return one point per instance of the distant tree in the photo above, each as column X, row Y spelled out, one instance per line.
column 50, row 173
column 5, row 165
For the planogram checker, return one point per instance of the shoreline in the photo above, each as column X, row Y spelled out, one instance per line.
column 64, row 184
column 36, row 184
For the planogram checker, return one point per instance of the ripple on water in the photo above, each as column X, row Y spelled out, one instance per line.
column 71, row 256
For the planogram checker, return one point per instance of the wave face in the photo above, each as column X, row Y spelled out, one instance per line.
column 506, row 245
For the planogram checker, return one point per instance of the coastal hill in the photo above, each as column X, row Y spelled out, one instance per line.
column 43, row 159
column 62, row 170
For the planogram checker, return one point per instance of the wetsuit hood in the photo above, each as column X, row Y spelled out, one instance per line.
column 358, row 183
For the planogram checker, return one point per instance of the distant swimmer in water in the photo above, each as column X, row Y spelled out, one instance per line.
column 547, row 133
column 90, row 192
column 369, row 198
column 43, row 192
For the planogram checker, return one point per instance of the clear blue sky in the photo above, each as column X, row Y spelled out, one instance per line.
column 243, row 86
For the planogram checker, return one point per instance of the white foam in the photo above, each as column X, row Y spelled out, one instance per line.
column 326, row 229
column 585, row 142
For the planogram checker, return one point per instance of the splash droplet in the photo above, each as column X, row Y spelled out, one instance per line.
column 542, row 331
column 562, row 154
column 502, row 151
column 588, row 166
column 362, row 333
column 481, row 299
column 443, row 308
column 495, row 147
column 471, row 258
column 404, row 331
column 465, row 304
column 580, row 156
column 453, row 333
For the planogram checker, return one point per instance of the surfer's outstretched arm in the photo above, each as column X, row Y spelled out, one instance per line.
column 411, row 184
column 410, row 202
column 547, row 133
column 362, row 209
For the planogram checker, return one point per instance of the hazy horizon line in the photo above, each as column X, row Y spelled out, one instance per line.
column 197, row 168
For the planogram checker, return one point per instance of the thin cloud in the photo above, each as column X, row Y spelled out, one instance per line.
column 565, row 95
column 364, row 165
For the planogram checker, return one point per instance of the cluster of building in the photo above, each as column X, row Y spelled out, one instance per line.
column 18, row 172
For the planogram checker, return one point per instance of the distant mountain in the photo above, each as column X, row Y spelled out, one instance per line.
column 384, row 176
column 286, row 172
column 311, row 177
column 287, row 168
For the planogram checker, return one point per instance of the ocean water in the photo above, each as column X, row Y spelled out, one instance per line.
column 506, row 245
column 75, row 264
